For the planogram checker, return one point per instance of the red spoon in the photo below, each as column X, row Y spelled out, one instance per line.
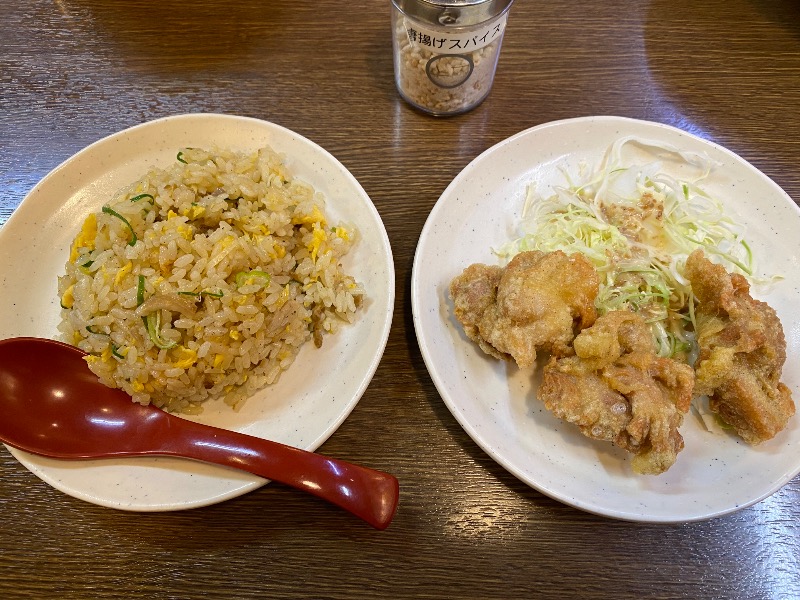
column 53, row 405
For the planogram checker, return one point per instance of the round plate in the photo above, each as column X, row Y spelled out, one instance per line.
column 298, row 410
column 495, row 402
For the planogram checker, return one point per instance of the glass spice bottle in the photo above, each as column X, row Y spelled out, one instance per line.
column 446, row 51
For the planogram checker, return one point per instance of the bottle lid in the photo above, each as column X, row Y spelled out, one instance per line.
column 452, row 13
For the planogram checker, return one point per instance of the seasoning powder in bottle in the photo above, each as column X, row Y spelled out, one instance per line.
column 446, row 51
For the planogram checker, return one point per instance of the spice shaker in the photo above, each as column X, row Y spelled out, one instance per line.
column 446, row 51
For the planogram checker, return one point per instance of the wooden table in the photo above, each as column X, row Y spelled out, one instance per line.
column 73, row 71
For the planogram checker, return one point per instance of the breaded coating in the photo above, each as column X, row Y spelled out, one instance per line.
column 540, row 301
column 617, row 389
column 742, row 352
column 473, row 292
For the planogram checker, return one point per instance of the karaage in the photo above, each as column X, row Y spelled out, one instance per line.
column 539, row 301
column 617, row 389
column 742, row 350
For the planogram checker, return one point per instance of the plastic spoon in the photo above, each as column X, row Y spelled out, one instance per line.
column 53, row 405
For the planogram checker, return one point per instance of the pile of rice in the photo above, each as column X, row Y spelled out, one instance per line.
column 203, row 280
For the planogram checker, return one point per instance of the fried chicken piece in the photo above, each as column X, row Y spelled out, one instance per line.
column 540, row 301
column 617, row 389
column 742, row 351
column 473, row 292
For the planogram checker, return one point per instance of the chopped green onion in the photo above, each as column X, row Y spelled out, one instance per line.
column 180, row 158
column 243, row 277
column 110, row 211
column 140, row 296
column 84, row 268
column 153, row 321
column 141, row 196
column 114, row 349
column 203, row 293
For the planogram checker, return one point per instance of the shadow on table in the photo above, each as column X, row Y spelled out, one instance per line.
column 785, row 13
column 184, row 36
column 720, row 68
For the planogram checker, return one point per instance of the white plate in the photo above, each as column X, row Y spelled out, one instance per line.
column 300, row 410
column 496, row 403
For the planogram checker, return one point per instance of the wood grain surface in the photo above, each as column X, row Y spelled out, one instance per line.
column 73, row 71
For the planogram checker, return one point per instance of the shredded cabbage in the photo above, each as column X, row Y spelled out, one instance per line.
column 637, row 225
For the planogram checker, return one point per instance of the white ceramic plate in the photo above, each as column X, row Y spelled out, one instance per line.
column 299, row 410
column 495, row 402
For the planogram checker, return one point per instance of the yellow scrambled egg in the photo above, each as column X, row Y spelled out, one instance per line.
column 85, row 238
column 122, row 272
column 186, row 357
column 317, row 238
column 195, row 211
column 316, row 216
column 342, row 233
column 68, row 298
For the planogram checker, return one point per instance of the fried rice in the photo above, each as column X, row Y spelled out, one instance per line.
column 203, row 280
